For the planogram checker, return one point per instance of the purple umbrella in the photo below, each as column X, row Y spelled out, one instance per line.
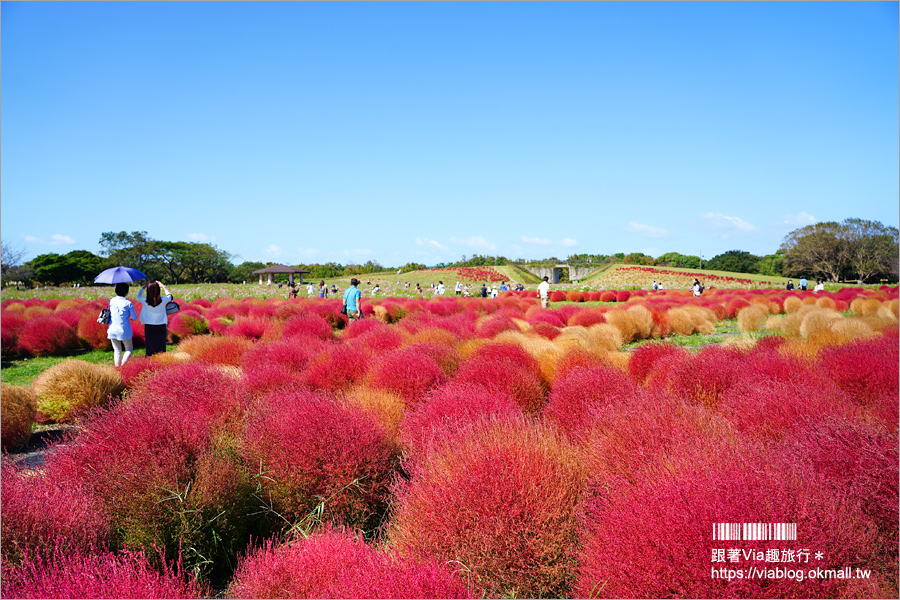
column 119, row 275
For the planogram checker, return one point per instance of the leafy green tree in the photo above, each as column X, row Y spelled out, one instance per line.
column 770, row 264
column 135, row 249
column 244, row 271
column 872, row 249
column 78, row 266
column 855, row 248
column 638, row 258
column 735, row 261
column 682, row 261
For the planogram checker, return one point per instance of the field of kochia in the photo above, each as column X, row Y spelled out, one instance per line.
column 460, row 447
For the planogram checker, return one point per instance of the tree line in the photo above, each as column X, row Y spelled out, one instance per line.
column 852, row 250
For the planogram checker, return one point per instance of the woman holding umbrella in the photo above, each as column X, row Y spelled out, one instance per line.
column 153, row 315
column 119, row 329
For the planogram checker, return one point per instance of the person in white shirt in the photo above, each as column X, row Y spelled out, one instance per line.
column 119, row 329
column 820, row 286
column 544, row 292
column 494, row 292
column 153, row 316
column 459, row 288
column 440, row 288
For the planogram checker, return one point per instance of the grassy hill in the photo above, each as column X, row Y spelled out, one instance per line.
column 622, row 276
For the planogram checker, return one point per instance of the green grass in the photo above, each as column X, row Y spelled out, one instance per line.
column 24, row 370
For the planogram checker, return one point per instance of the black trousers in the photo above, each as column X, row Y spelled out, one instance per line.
column 155, row 338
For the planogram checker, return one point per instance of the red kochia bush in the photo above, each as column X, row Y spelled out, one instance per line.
column 645, row 356
column 505, row 376
column 448, row 410
column 315, row 450
column 93, row 334
column 608, row 296
column 581, row 394
column 39, row 511
column 652, row 538
column 623, row 296
column 46, row 335
column 407, row 372
column 331, row 564
column 308, row 326
column 137, row 368
column 557, row 296
column 866, row 369
column 337, row 367
column 700, row 378
column 89, row 575
column 502, row 500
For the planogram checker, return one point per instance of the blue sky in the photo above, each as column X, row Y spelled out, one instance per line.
column 315, row 132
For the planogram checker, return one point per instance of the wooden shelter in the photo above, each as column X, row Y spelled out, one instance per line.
column 270, row 271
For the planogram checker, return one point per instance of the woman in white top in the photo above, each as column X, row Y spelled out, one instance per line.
column 153, row 316
column 119, row 329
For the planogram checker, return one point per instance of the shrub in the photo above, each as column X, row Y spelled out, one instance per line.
column 153, row 465
column 587, row 317
column 502, row 501
column 75, row 386
column 385, row 409
column 187, row 322
column 227, row 350
column 867, row 370
column 338, row 367
column 448, row 410
column 575, row 296
column 18, row 410
column 751, row 318
column 503, row 375
column 407, row 372
column 136, row 369
column 651, row 538
column 608, row 296
column 623, row 296
column 557, row 296
column 447, row 358
column 314, row 451
column 700, row 378
column 46, row 335
column 332, row 564
column 40, row 512
column 646, row 355
column 75, row 574
column 308, row 326
column 92, row 333
column 495, row 324
column 583, row 393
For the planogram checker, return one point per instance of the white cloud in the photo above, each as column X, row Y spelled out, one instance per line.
column 476, row 241
column 57, row 239
column 724, row 221
column 800, row 219
column 201, row 237
column 646, row 230
column 308, row 251
column 536, row 240
column 273, row 249
column 568, row 242
column 427, row 242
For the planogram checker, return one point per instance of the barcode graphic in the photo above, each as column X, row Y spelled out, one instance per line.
column 754, row 531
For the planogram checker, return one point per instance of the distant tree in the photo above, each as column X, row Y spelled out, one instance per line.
column 674, row 259
column 770, row 264
column 10, row 260
column 855, row 248
column 413, row 266
column 135, row 249
column 78, row 266
column 638, row 258
column 735, row 261
column 244, row 271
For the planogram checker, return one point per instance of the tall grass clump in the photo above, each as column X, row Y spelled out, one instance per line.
column 40, row 513
column 317, row 456
column 751, row 318
column 77, row 574
column 17, row 414
column 338, row 564
column 75, row 386
column 502, row 502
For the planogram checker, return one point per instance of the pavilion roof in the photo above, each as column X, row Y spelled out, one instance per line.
column 279, row 269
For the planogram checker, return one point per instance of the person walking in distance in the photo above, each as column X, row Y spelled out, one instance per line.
column 544, row 292
column 352, row 299
column 153, row 315
column 119, row 329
